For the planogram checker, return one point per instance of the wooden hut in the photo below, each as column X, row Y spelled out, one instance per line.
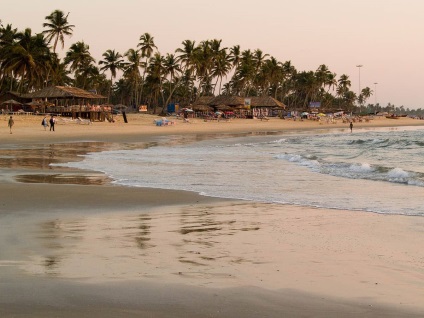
column 250, row 106
column 71, row 101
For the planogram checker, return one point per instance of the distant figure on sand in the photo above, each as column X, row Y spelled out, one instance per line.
column 351, row 126
column 10, row 123
column 45, row 123
column 52, row 122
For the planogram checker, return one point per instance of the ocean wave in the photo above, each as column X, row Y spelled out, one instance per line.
column 364, row 171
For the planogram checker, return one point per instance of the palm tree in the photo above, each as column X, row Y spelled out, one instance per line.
column 344, row 84
column 28, row 58
column 365, row 94
column 147, row 46
column 171, row 68
column 8, row 37
column 79, row 58
column 132, row 73
column 187, row 53
column 58, row 27
column 272, row 74
column 112, row 61
column 221, row 68
column 155, row 78
column 59, row 75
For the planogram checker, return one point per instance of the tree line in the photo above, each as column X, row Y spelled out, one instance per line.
column 29, row 62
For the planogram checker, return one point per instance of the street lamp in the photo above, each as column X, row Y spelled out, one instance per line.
column 359, row 92
column 375, row 94
column 359, row 69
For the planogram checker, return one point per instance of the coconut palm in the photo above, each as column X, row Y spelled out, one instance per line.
column 112, row 62
column 272, row 74
column 132, row 74
column 27, row 58
column 187, row 54
column 155, row 78
column 171, row 69
column 365, row 94
column 221, row 68
column 78, row 56
column 344, row 84
column 8, row 36
column 147, row 46
column 59, row 75
column 57, row 27
column 79, row 60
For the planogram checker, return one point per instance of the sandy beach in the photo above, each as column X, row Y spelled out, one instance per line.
column 74, row 245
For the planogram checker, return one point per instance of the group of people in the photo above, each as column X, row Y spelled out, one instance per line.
column 44, row 123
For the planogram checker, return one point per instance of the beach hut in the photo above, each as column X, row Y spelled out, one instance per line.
column 63, row 93
column 70, row 101
column 12, row 104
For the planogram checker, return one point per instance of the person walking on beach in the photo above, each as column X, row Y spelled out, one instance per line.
column 10, row 123
column 45, row 123
column 52, row 122
column 351, row 126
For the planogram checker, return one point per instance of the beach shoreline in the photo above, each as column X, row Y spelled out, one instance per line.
column 290, row 261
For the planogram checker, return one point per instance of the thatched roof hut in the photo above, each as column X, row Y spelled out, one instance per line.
column 204, row 100
column 239, row 102
column 266, row 101
column 202, row 108
column 232, row 101
column 63, row 92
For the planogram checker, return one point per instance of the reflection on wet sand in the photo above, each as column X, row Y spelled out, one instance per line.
column 142, row 238
column 56, row 239
column 86, row 179
column 190, row 243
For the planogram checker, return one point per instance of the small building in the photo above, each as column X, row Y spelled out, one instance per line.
column 69, row 101
column 251, row 106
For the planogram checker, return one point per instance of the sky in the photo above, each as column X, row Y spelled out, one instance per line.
column 385, row 36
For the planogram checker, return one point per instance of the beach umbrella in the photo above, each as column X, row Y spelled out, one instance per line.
column 11, row 102
column 304, row 114
column 322, row 115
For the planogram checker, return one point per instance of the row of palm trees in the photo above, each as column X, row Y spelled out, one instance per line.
column 142, row 75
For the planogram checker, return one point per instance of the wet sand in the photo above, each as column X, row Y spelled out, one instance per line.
column 73, row 245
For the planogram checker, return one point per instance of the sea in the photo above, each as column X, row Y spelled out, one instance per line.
column 376, row 170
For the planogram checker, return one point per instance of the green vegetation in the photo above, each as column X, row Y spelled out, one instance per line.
column 29, row 62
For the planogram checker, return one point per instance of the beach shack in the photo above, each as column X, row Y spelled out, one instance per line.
column 69, row 102
column 248, row 107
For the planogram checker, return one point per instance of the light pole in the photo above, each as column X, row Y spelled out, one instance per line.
column 359, row 69
column 375, row 94
column 359, row 89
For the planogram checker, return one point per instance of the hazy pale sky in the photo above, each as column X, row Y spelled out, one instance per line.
column 385, row 36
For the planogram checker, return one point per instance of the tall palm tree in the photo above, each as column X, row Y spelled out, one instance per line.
column 187, row 55
column 155, row 78
column 132, row 74
column 344, row 85
column 59, row 75
column 112, row 62
column 365, row 94
column 57, row 27
column 171, row 69
column 221, row 68
column 147, row 46
column 27, row 58
column 8, row 37
column 79, row 58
